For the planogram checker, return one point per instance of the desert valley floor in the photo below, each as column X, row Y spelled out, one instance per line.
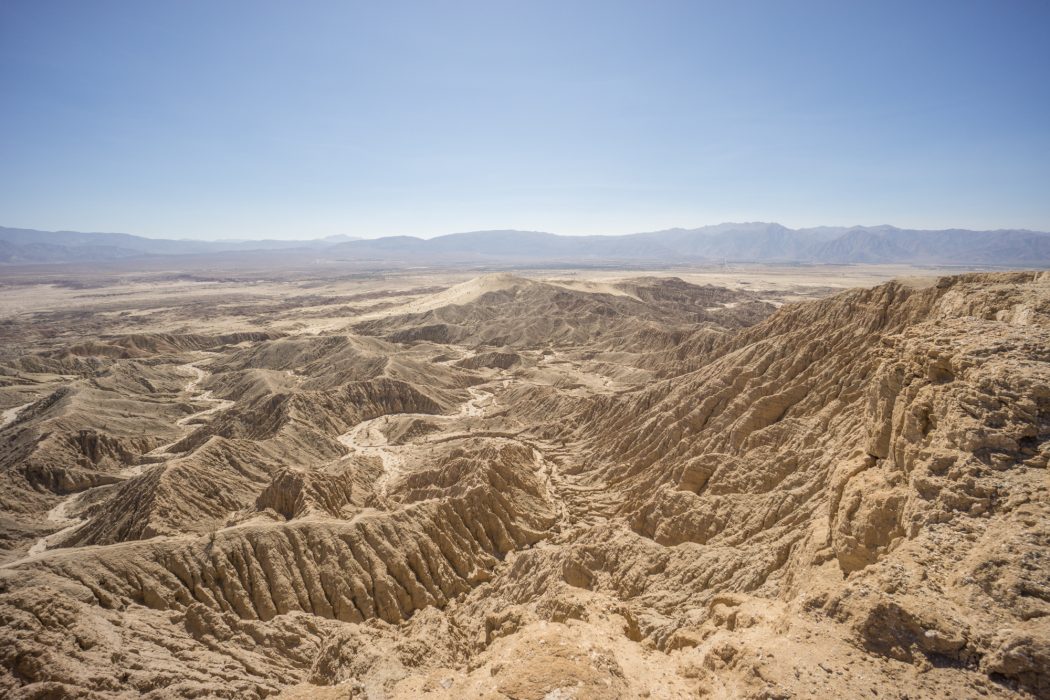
column 757, row 483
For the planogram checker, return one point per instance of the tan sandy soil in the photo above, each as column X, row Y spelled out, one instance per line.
column 757, row 482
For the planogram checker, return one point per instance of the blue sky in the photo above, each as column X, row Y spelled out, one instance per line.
column 305, row 119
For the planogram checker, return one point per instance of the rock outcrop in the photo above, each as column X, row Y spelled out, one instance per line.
column 522, row 489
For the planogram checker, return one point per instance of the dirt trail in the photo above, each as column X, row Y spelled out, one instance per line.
column 205, row 396
column 10, row 415
column 577, row 505
column 368, row 439
column 60, row 513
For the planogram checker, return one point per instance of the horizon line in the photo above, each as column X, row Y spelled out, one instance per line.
column 358, row 237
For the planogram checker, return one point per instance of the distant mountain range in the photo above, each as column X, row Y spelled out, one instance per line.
column 746, row 242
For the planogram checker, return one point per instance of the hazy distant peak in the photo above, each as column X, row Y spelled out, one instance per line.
column 756, row 241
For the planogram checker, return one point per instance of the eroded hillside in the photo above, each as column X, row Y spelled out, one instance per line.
column 531, row 488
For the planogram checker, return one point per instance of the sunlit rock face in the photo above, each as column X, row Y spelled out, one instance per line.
column 529, row 487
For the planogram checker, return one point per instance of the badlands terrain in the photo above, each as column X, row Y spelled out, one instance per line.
column 758, row 483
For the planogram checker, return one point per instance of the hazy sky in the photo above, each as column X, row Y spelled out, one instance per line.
column 303, row 119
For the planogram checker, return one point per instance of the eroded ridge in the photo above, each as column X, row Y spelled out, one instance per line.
column 535, row 487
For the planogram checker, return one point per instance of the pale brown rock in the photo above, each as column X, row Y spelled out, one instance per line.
column 514, row 487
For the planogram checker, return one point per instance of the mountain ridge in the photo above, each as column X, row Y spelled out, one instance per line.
column 759, row 242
